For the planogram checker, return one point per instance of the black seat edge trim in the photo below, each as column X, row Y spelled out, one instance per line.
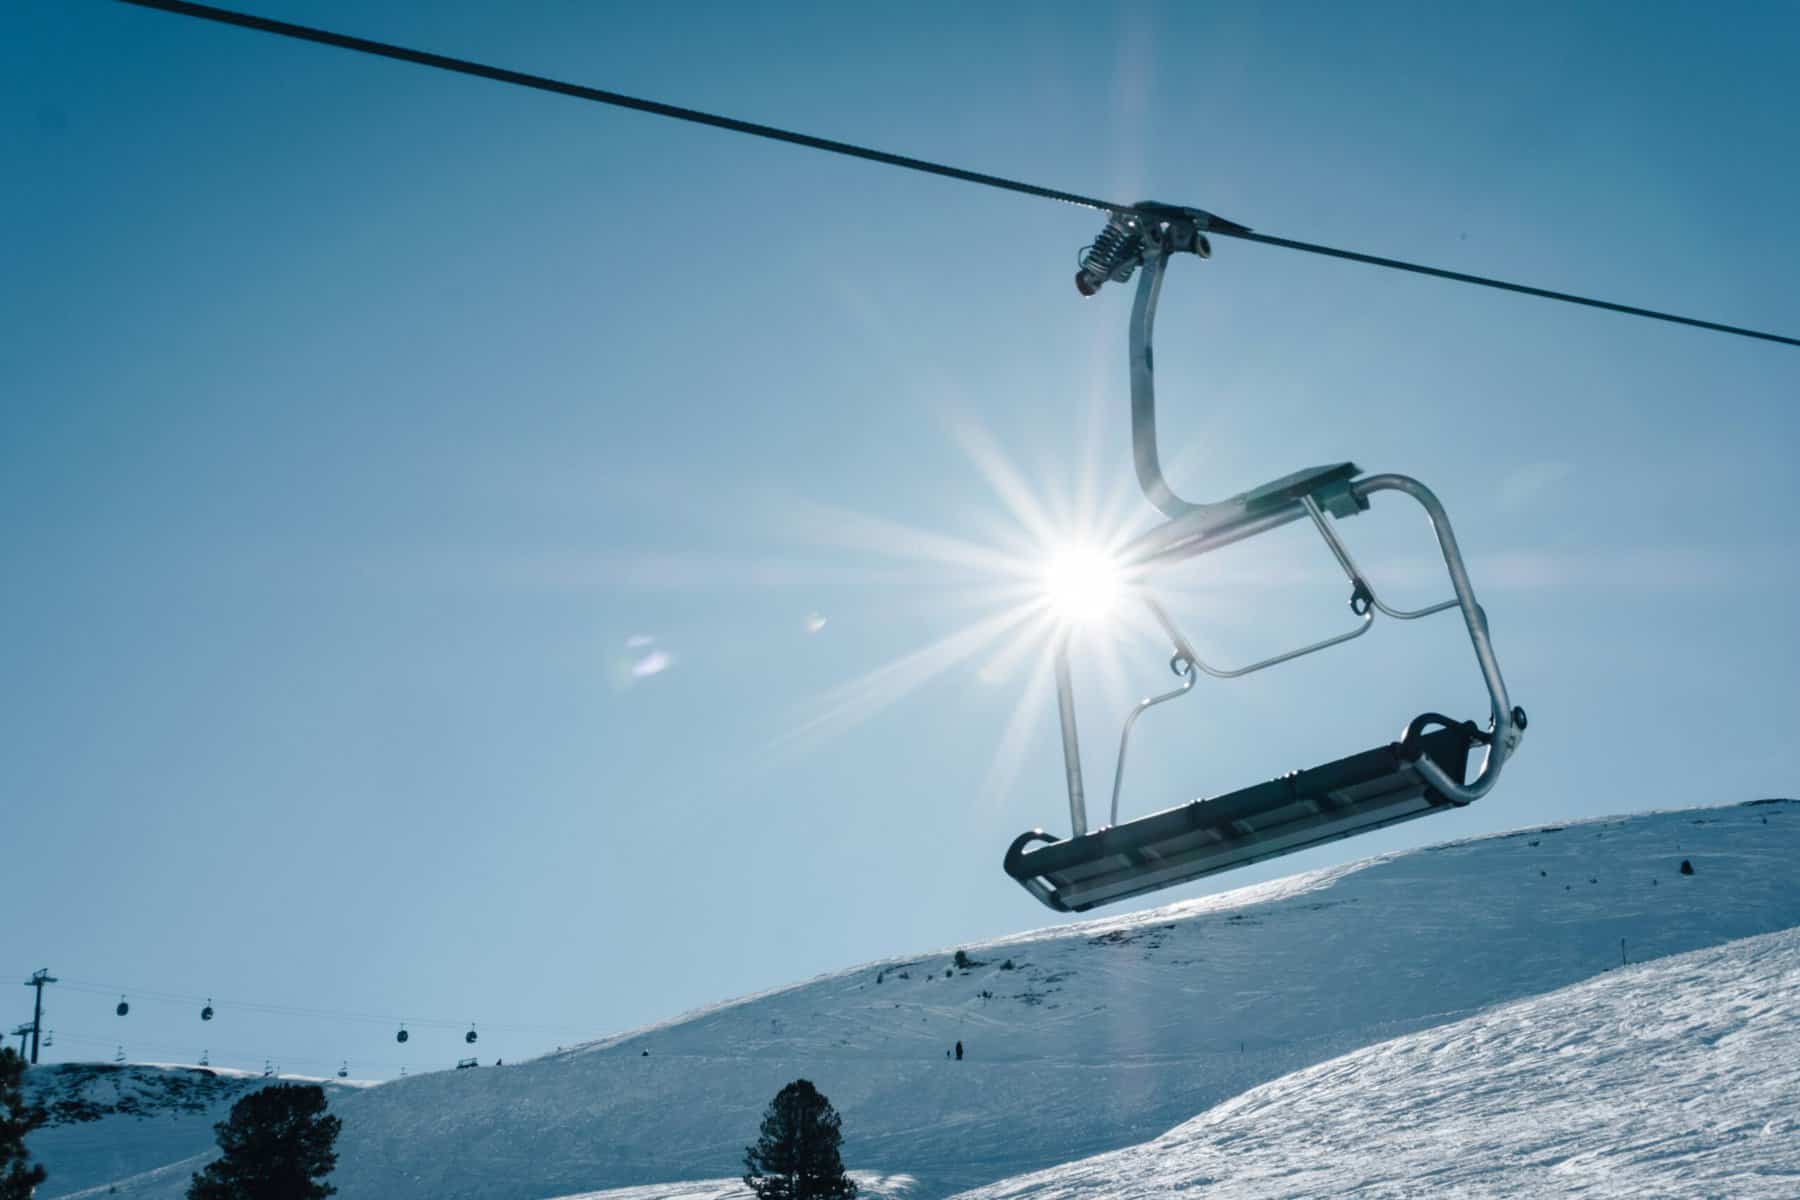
column 1015, row 853
column 1411, row 744
column 1028, row 878
column 1447, row 746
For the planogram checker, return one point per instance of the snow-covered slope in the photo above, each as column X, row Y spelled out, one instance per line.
column 1087, row 1037
column 1679, row 1077
column 112, row 1122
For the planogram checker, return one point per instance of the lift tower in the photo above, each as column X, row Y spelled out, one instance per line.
column 38, row 979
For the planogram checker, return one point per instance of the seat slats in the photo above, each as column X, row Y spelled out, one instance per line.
column 1353, row 795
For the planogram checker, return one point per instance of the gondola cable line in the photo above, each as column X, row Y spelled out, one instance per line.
column 270, row 1009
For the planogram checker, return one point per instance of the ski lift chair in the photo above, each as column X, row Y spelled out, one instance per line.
column 1426, row 771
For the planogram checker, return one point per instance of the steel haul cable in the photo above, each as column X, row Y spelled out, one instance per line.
column 542, row 83
column 226, row 1005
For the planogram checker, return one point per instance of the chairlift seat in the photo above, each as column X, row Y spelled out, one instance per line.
column 1341, row 799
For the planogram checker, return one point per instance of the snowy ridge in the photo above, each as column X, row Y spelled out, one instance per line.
column 1672, row 1078
column 1098, row 1035
column 145, row 1120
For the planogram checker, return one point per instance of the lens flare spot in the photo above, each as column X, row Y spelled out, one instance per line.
column 653, row 663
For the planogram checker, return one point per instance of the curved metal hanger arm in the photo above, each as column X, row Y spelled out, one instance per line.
column 1144, row 454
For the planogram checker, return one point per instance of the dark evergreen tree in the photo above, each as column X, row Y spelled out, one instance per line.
column 796, row 1158
column 19, row 1177
column 277, row 1146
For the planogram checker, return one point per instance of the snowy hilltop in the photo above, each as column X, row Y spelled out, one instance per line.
column 1112, row 1037
column 1673, row 1078
column 148, row 1124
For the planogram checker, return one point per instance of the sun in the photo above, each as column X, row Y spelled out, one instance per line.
column 1083, row 584
column 1051, row 568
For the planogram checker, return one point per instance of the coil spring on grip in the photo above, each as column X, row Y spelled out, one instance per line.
column 1113, row 256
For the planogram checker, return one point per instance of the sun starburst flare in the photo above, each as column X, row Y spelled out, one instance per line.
column 1050, row 569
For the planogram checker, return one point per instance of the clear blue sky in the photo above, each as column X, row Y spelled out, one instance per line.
column 364, row 426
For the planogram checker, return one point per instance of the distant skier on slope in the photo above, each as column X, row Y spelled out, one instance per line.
column 959, row 1051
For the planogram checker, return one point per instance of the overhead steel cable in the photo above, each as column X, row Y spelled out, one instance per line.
column 463, row 66
column 1523, row 289
column 93, row 987
column 1220, row 228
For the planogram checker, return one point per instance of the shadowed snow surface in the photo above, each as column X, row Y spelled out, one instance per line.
column 147, row 1123
column 1674, row 1078
column 1102, row 1035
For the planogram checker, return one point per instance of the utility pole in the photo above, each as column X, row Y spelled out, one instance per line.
column 22, row 1032
column 38, row 979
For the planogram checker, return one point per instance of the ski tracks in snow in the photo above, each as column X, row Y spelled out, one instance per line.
column 1676, row 1078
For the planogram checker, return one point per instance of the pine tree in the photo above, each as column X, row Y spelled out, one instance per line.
column 796, row 1158
column 18, row 1176
column 277, row 1146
